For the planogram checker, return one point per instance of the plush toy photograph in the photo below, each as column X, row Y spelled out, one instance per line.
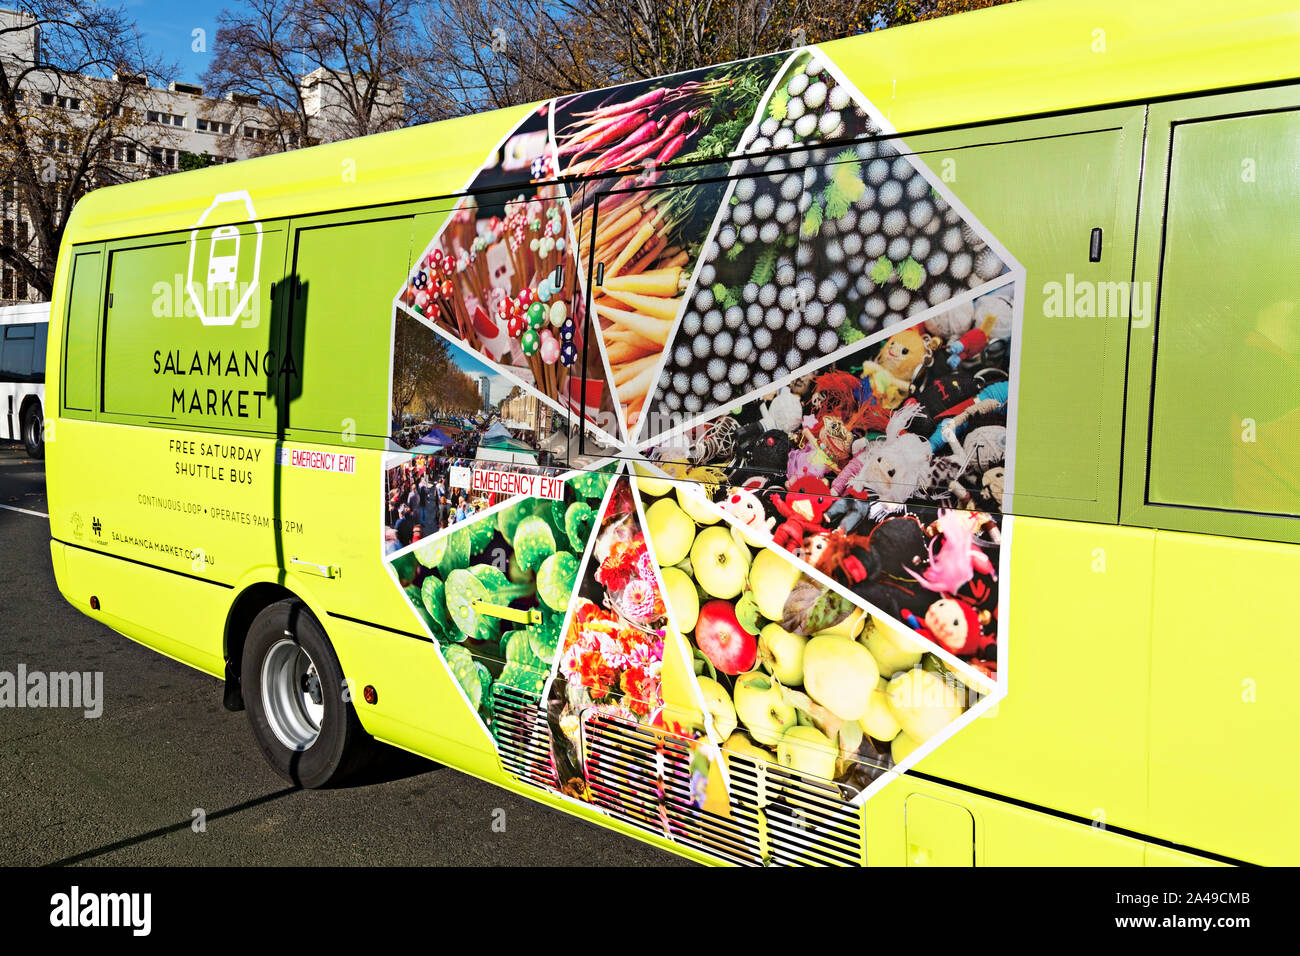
column 884, row 471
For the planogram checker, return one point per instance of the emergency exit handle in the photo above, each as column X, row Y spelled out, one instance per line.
column 311, row 567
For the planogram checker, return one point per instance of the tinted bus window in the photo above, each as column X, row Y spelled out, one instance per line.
column 18, row 361
column 38, row 362
column 83, row 331
column 164, row 365
column 1225, row 425
column 340, row 325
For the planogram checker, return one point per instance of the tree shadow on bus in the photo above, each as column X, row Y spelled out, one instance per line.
column 286, row 335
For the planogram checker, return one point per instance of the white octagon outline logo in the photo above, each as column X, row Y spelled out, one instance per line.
column 220, row 200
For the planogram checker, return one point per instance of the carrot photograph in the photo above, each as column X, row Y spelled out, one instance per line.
column 645, row 220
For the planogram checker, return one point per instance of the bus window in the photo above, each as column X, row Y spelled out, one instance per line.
column 163, row 365
column 1069, row 395
column 340, row 326
column 38, row 359
column 1225, row 420
column 82, row 324
column 18, row 362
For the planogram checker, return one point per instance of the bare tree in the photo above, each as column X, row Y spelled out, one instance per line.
column 649, row 38
column 66, row 120
column 468, row 56
column 424, row 376
column 323, row 69
column 473, row 55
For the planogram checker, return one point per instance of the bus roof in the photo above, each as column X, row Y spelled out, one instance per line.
column 1019, row 59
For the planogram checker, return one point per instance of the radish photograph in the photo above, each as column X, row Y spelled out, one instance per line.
column 640, row 226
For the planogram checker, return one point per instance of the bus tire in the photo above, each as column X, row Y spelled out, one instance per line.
column 294, row 694
column 33, row 426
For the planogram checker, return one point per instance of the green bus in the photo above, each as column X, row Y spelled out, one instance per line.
column 755, row 369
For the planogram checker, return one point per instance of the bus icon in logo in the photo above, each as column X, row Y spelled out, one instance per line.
column 223, row 256
column 230, row 289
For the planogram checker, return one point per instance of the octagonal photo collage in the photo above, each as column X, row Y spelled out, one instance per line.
column 735, row 473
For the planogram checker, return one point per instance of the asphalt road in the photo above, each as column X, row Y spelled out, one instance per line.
column 122, row 789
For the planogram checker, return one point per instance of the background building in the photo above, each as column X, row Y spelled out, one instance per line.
column 160, row 129
column 522, row 411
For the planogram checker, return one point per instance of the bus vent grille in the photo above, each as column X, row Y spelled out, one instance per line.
column 808, row 823
column 523, row 737
column 621, row 760
column 644, row 779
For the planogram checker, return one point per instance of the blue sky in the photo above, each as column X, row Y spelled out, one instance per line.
column 167, row 28
column 498, row 385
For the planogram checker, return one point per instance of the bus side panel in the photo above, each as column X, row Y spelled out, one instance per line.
column 419, row 707
column 176, row 499
column 123, row 494
column 915, row 822
column 1223, row 702
column 1071, row 734
column 145, row 604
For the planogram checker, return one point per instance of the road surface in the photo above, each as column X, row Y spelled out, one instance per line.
column 123, row 789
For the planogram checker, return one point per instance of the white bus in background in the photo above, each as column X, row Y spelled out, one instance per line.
column 22, row 374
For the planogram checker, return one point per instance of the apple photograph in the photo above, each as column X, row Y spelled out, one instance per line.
column 501, row 275
column 493, row 591
column 883, row 470
column 792, row 671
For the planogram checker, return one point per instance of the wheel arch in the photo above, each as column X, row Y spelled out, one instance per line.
column 252, row 599
column 259, row 590
column 29, row 402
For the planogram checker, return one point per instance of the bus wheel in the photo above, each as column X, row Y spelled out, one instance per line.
column 293, row 689
column 34, row 432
